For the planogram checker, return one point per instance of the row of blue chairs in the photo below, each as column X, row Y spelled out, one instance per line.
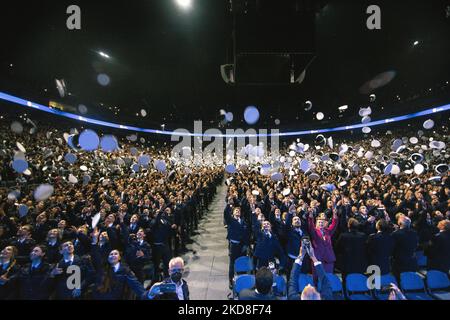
column 435, row 286
column 412, row 285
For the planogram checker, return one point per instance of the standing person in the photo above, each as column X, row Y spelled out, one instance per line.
column 34, row 281
column 321, row 235
column 161, row 229
column 61, row 274
column 405, row 245
column 295, row 231
column 24, row 243
column 8, row 273
column 439, row 250
column 267, row 246
column 238, row 235
column 351, row 246
column 380, row 247
column 137, row 253
column 114, row 280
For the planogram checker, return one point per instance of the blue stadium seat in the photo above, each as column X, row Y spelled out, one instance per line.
column 281, row 288
column 336, row 286
column 303, row 281
column 356, row 287
column 243, row 264
column 413, row 287
column 438, row 284
column 245, row 281
column 385, row 280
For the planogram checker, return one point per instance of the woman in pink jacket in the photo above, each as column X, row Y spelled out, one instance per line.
column 321, row 235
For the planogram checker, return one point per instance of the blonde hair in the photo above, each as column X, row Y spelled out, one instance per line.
column 310, row 293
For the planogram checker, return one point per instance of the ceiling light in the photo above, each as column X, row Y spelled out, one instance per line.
column 342, row 108
column 104, row 55
column 185, row 4
column 416, row 43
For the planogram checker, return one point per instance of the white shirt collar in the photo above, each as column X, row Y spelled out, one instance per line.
column 116, row 267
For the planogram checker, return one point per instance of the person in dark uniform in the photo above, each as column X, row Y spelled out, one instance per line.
column 351, row 247
column 115, row 280
column 34, row 281
column 380, row 247
column 53, row 244
column 62, row 272
column 405, row 245
column 161, row 230
column 238, row 235
column 267, row 246
column 295, row 231
column 137, row 253
column 9, row 270
column 439, row 250
column 24, row 243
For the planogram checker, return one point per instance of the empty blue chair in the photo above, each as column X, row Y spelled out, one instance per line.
column 243, row 264
column 413, row 287
column 303, row 281
column 385, row 281
column 438, row 284
column 356, row 287
column 336, row 286
column 245, row 281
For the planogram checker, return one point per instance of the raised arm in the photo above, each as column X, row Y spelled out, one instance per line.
column 334, row 223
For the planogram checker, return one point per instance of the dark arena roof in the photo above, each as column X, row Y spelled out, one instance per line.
column 224, row 150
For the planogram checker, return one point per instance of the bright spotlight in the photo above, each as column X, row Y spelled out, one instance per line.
column 185, row 4
column 104, row 55
column 416, row 43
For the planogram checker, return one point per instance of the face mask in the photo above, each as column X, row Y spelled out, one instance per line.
column 176, row 277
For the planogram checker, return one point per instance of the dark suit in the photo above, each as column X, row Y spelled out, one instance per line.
column 439, row 252
column 87, row 272
column 294, row 239
column 23, row 249
column 267, row 248
column 251, row 294
column 380, row 247
column 8, row 289
column 53, row 255
column 405, row 245
column 323, row 284
column 123, row 280
column 161, row 230
column 238, row 235
column 35, row 284
column 351, row 247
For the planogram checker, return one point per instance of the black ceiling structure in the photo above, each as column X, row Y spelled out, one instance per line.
column 168, row 61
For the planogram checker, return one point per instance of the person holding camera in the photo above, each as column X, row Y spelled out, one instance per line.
column 172, row 288
column 322, row 291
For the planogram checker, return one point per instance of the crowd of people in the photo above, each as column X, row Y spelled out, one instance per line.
column 120, row 216
column 379, row 200
column 119, row 224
